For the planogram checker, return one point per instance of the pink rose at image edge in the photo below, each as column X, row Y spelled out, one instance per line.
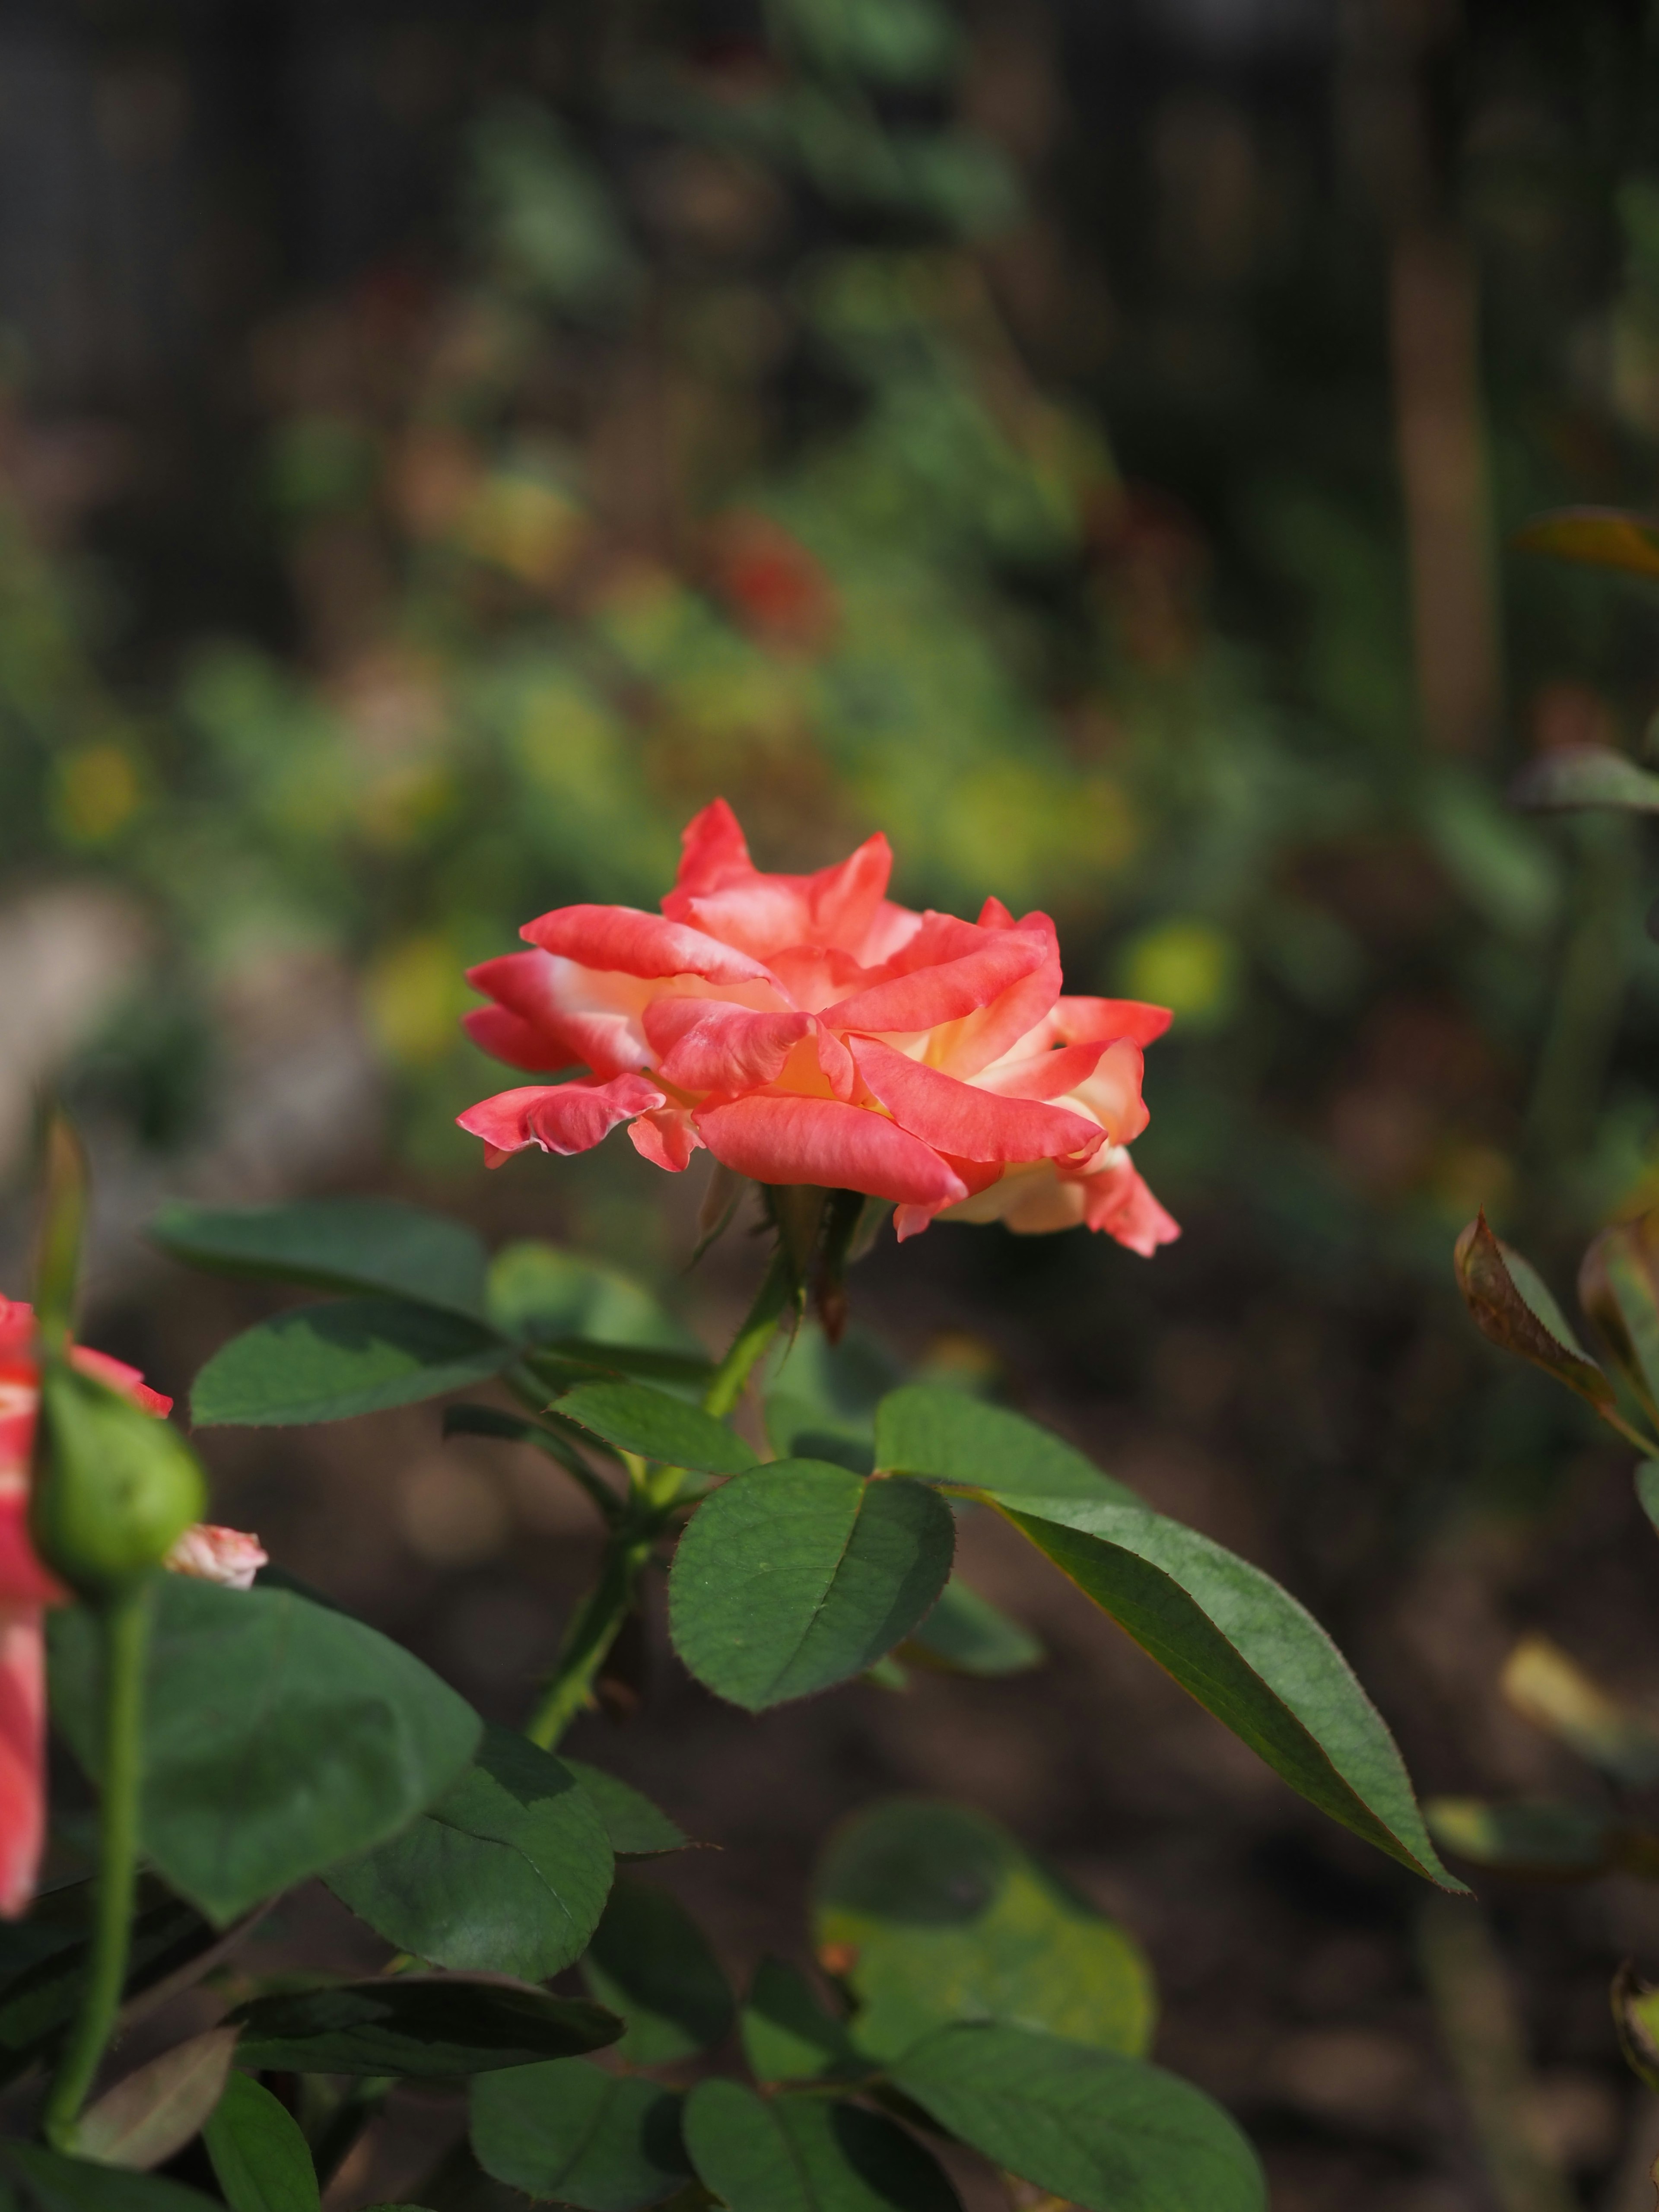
column 806, row 1030
column 25, row 1589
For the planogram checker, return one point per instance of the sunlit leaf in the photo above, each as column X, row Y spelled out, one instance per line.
column 637, row 1419
column 800, row 1576
column 328, row 1363
column 940, row 1435
column 375, row 1245
column 1109, row 2135
column 941, row 1916
column 1553, row 1692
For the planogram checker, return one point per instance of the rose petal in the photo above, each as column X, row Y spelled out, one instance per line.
column 704, row 1044
column 560, row 1117
column 944, row 991
column 713, row 853
column 22, row 1755
column 833, row 1147
column 621, row 939
column 1083, row 1021
column 955, row 1117
column 1118, row 1201
column 667, row 1138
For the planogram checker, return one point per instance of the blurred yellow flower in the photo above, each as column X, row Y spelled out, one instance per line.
column 1187, row 964
column 414, row 994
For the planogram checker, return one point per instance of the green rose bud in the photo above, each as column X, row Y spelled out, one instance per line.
column 113, row 1487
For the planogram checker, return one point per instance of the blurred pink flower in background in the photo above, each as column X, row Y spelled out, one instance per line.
column 806, row 1030
column 25, row 1589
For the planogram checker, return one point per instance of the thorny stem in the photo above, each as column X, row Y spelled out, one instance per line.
column 772, row 1301
column 125, row 1626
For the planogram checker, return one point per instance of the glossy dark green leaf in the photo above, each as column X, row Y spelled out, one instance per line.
column 280, row 1737
column 573, row 2132
column 943, row 1437
column 788, row 2035
column 1579, row 776
column 1604, row 537
column 800, row 1576
column 650, row 1962
column 260, row 2159
column 42, row 1962
column 1513, row 1306
column 807, row 2155
column 966, row 1634
column 417, row 2025
column 539, row 1294
column 153, row 2111
column 1540, row 1838
column 330, row 1362
column 335, row 1244
column 1647, row 1489
column 638, row 1419
column 46, row 2183
column 508, row 1873
column 636, row 1828
column 942, row 1917
column 1109, row 2135
column 1251, row 1655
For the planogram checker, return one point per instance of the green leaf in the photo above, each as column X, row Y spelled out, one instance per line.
column 538, row 1294
column 280, row 1737
column 1554, row 1691
column 155, row 2110
column 1251, row 1655
column 507, row 1873
column 943, row 1437
column 820, row 1398
column 466, row 1420
column 1647, row 1489
column 966, row 1634
column 334, row 1244
column 417, row 2025
column 800, row 1575
column 1619, row 1289
column 605, row 2142
column 1512, row 1304
column 1542, row 1838
column 787, row 2036
column 42, row 1962
column 942, row 1918
column 261, row 2161
column 1109, row 2134
column 807, row 2155
column 637, row 1419
column 637, row 1829
column 1585, row 776
column 1603, row 536
column 329, row 1363
column 47, row 2183
column 650, row 1961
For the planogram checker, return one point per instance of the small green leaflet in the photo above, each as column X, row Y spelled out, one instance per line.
column 650, row 1962
column 787, row 2036
column 47, row 2183
column 539, row 1294
column 330, row 1362
column 943, row 1437
column 1109, row 2135
column 280, row 1737
column 807, row 2155
column 416, row 2025
column 153, row 2111
column 604, row 2142
column 507, row 1873
column 260, row 2159
column 1585, row 776
column 1647, row 1489
column 1540, row 1837
column 637, row 1419
column 1251, row 1655
column 946, row 1918
column 801, row 1575
column 334, row 1244
column 820, row 1398
column 637, row 1829
column 966, row 1634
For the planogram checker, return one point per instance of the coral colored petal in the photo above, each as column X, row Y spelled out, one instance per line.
column 1112, row 1093
column 23, row 1580
column 120, row 1377
column 994, row 915
column 713, row 853
column 1046, row 1074
column 22, row 1755
column 510, row 1037
column 957, row 1118
column 574, row 1012
column 822, row 1142
column 928, row 996
column 704, row 1044
column 621, row 939
column 667, row 1139
column 561, row 1117
column 1082, row 1021
column 1118, row 1201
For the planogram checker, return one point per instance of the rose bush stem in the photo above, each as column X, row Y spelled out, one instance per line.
column 124, row 1622
column 772, row 1301
column 594, row 1631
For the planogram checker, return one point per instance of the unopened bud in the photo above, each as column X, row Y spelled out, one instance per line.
column 113, row 1488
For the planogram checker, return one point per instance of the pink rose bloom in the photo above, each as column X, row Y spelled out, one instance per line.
column 25, row 1589
column 806, row 1030
column 227, row 1556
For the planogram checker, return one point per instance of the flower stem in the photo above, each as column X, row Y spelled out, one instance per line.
column 124, row 1624
column 594, row 1631
column 772, row 1301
